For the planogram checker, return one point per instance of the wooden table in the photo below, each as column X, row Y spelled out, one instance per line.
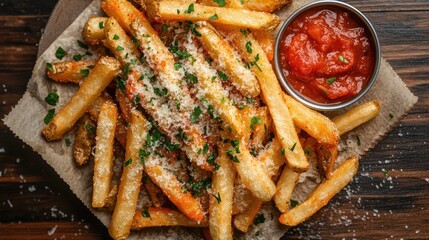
column 390, row 197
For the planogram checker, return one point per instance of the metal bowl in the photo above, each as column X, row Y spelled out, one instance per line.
column 373, row 38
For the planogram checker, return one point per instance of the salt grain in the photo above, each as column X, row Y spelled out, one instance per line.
column 52, row 231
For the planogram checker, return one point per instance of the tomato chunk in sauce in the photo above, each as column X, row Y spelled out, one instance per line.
column 326, row 55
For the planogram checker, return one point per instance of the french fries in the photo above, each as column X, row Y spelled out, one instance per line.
column 103, row 73
column 222, row 198
column 202, row 97
column 285, row 187
column 224, row 55
column 93, row 32
column 357, row 116
column 69, row 71
column 179, row 11
column 129, row 186
column 84, row 141
column 103, row 158
column 272, row 94
column 157, row 217
column 322, row 194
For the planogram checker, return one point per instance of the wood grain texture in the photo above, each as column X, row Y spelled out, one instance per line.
column 389, row 198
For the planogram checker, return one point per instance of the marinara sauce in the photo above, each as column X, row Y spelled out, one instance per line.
column 327, row 55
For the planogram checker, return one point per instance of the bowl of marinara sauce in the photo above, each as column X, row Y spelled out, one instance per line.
column 327, row 55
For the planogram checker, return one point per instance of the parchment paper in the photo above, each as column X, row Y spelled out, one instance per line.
column 26, row 122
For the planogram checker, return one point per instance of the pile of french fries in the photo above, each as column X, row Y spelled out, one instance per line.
column 187, row 89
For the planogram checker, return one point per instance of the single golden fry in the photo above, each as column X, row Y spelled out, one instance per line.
column 312, row 122
column 322, row 194
column 93, row 32
column 129, row 187
column 177, row 10
column 172, row 188
column 70, row 71
column 357, row 116
column 213, row 89
column 242, row 197
column 228, row 60
column 84, row 140
column 220, row 222
column 103, row 73
column 103, row 158
column 254, row 5
column 272, row 94
column 243, row 220
column 285, row 186
column 158, row 217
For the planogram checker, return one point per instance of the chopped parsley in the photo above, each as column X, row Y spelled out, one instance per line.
column 214, row 17
column 218, row 199
column 116, row 37
column 171, row 146
column 82, row 44
column 84, row 72
column 249, row 100
column 221, row 3
column 231, row 156
column 142, row 155
column 146, row 213
column 222, row 76
column 177, row 65
column 211, row 160
column 68, row 143
column 181, row 136
column 245, row 32
column 293, row 147
column 255, row 63
column 307, row 152
column 90, row 128
column 50, row 67
column 282, row 151
column 259, row 219
column 293, row 203
column 249, row 47
column 196, row 114
column 212, row 113
column 254, row 121
column 120, row 83
column 331, row 80
column 60, row 53
column 119, row 48
column 160, row 92
column 191, row 79
column 78, row 57
column 49, row 116
column 52, row 98
column 101, row 25
column 190, row 9
column 198, row 186
column 205, row 149
column 128, row 162
column 357, row 140
column 390, row 116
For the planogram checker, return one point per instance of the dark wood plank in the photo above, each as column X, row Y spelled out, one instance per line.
column 388, row 198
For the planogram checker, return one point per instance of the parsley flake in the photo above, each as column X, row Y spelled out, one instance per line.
column 249, row 47
column 190, row 9
column 116, row 37
column 60, row 53
column 331, row 80
column 50, row 67
column 293, row 203
column 119, row 48
column 196, row 114
column 82, row 44
column 49, row 116
column 293, row 147
column 214, row 17
column 218, row 199
column 342, row 59
column 221, row 3
column 67, row 141
column 146, row 213
column 84, row 72
column 101, row 25
column 52, row 98
column 259, row 219
column 254, row 121
column 128, row 162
